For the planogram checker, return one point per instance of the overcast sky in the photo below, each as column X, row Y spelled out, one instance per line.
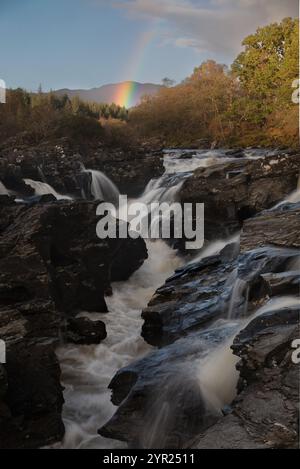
column 86, row 43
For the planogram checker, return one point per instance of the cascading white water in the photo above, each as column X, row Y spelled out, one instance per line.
column 217, row 372
column 42, row 188
column 292, row 198
column 3, row 190
column 102, row 187
column 218, row 376
column 214, row 248
column 87, row 370
column 238, row 289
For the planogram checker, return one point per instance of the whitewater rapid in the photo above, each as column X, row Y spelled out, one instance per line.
column 3, row 190
column 88, row 370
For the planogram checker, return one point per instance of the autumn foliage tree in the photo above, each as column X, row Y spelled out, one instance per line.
column 44, row 115
column 192, row 110
column 248, row 104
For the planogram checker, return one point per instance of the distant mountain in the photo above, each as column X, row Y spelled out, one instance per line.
column 128, row 93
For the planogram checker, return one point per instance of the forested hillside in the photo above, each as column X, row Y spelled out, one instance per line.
column 249, row 103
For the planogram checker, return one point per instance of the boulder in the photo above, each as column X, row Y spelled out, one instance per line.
column 211, row 289
column 59, row 163
column 162, row 398
column 84, row 331
column 161, row 404
column 52, row 266
column 237, row 190
column 279, row 227
column 265, row 413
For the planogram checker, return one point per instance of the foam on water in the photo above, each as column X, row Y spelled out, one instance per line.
column 3, row 190
column 102, row 187
column 42, row 188
column 87, row 370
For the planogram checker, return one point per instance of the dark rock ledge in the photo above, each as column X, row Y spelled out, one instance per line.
column 237, row 190
column 52, row 266
column 161, row 401
column 60, row 164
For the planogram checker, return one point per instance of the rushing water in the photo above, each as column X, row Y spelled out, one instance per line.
column 217, row 372
column 42, row 188
column 3, row 190
column 102, row 188
column 87, row 370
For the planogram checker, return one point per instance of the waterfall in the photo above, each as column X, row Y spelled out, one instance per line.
column 95, row 365
column 292, row 198
column 102, row 188
column 217, row 373
column 275, row 304
column 239, row 287
column 87, row 370
column 218, row 376
column 214, row 248
column 3, row 190
column 42, row 188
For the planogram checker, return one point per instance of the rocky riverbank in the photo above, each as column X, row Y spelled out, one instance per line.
column 52, row 266
column 229, row 311
column 232, row 307
column 60, row 164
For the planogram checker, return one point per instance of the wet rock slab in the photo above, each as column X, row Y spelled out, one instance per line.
column 160, row 400
column 162, row 403
column 237, row 190
column 201, row 293
column 265, row 413
column 52, row 265
column 60, row 163
column 279, row 226
column 84, row 331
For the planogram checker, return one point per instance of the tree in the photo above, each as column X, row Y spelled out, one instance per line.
column 168, row 82
column 267, row 67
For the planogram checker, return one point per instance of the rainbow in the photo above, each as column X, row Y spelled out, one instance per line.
column 125, row 93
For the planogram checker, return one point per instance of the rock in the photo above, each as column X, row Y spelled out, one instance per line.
column 280, row 227
column 236, row 153
column 84, row 331
column 30, row 412
column 186, row 155
column 161, row 404
column 237, row 190
column 201, row 293
column 265, row 413
column 121, row 268
column 59, row 163
column 3, row 381
column 164, row 390
column 282, row 283
column 130, row 171
column 52, row 265
column 162, row 398
column 61, row 242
